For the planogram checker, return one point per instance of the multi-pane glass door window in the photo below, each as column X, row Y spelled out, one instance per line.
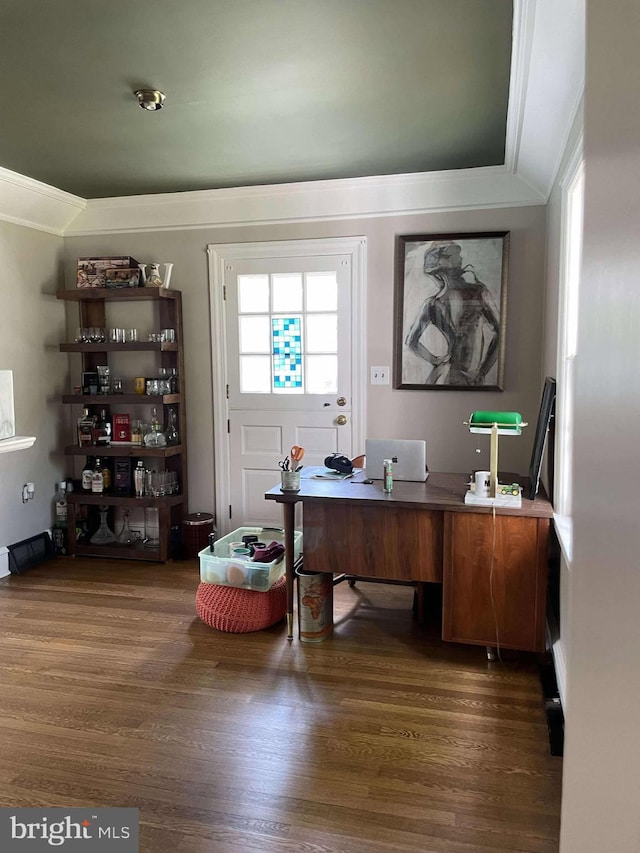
column 288, row 333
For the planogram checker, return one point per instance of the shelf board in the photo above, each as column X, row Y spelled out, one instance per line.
column 95, row 294
column 116, row 449
column 89, row 499
column 120, row 552
column 107, row 346
column 114, row 399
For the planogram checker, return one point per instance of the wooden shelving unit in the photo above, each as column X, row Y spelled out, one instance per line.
column 93, row 312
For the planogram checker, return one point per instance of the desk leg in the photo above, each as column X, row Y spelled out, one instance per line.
column 289, row 510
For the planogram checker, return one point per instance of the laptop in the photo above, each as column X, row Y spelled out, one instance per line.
column 409, row 458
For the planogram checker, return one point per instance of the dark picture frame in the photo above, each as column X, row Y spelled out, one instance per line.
column 543, row 427
column 450, row 311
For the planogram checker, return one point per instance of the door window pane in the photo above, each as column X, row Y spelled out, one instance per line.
column 322, row 333
column 322, row 374
column 254, row 335
column 287, row 292
column 287, row 353
column 253, row 293
column 255, row 374
column 321, row 291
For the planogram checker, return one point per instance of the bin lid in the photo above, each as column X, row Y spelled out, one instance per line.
column 196, row 518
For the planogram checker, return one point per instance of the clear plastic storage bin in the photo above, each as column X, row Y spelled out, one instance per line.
column 226, row 570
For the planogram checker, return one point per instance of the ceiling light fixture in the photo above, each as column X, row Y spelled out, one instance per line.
column 150, row 99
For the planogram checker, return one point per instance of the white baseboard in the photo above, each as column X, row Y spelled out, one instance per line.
column 556, row 647
column 560, row 664
column 4, row 561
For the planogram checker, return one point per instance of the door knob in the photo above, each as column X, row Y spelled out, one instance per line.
column 341, row 420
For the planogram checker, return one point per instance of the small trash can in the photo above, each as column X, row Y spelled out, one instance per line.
column 315, row 605
column 196, row 528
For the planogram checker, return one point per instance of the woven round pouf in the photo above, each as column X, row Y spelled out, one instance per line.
column 239, row 611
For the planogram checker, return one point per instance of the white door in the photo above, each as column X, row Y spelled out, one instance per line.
column 288, row 357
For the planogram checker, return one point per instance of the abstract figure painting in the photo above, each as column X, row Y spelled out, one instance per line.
column 450, row 311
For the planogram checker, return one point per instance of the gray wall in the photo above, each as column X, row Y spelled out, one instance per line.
column 32, row 325
column 436, row 416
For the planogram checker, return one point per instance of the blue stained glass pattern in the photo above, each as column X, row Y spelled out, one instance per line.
column 286, row 341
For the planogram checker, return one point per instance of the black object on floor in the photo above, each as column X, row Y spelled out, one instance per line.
column 552, row 706
column 30, row 552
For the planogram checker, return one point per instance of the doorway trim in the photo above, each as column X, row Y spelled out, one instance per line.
column 219, row 254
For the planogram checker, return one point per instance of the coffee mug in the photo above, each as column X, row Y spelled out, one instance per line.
column 483, row 483
column 139, row 385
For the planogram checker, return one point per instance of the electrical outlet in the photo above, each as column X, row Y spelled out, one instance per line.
column 379, row 376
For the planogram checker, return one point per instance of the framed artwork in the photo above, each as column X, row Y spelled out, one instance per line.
column 543, row 427
column 450, row 311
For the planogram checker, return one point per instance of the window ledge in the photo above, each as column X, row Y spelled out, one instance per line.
column 564, row 530
column 17, row 442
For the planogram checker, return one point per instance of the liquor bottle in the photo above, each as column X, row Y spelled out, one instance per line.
column 171, row 434
column 102, row 430
column 138, row 479
column 87, row 474
column 136, row 432
column 86, row 426
column 97, row 480
column 106, row 476
column 60, row 523
column 60, row 500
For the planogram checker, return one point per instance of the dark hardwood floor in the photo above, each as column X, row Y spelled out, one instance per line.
column 380, row 739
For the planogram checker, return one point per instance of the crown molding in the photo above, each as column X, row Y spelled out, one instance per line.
column 386, row 195
column 24, row 201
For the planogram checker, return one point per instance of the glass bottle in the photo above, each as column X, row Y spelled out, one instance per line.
column 136, row 432
column 125, row 537
column 104, row 535
column 171, row 434
column 60, row 501
column 97, row 479
column 155, row 438
column 87, row 474
column 59, row 531
column 106, row 476
column 86, row 426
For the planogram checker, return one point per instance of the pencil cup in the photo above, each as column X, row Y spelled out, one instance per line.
column 290, row 481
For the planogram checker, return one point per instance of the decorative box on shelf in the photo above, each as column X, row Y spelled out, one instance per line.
column 122, row 277
column 92, row 272
column 121, row 429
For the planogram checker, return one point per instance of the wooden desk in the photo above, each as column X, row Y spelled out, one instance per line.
column 493, row 566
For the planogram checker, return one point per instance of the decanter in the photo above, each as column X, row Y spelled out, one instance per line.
column 104, row 535
column 171, row 433
column 125, row 537
column 155, row 438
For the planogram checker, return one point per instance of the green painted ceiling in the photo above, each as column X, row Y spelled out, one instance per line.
column 258, row 91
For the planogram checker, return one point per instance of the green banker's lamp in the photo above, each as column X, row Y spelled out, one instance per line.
column 495, row 424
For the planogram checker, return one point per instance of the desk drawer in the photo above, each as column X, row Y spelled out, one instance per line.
column 379, row 542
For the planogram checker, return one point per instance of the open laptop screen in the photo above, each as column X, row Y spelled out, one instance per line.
column 409, row 458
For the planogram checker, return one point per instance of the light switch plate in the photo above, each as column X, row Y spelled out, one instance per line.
column 379, row 376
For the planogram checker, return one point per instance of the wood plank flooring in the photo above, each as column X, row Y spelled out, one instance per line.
column 380, row 739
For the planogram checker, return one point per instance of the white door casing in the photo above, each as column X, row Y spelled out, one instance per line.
column 253, row 431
